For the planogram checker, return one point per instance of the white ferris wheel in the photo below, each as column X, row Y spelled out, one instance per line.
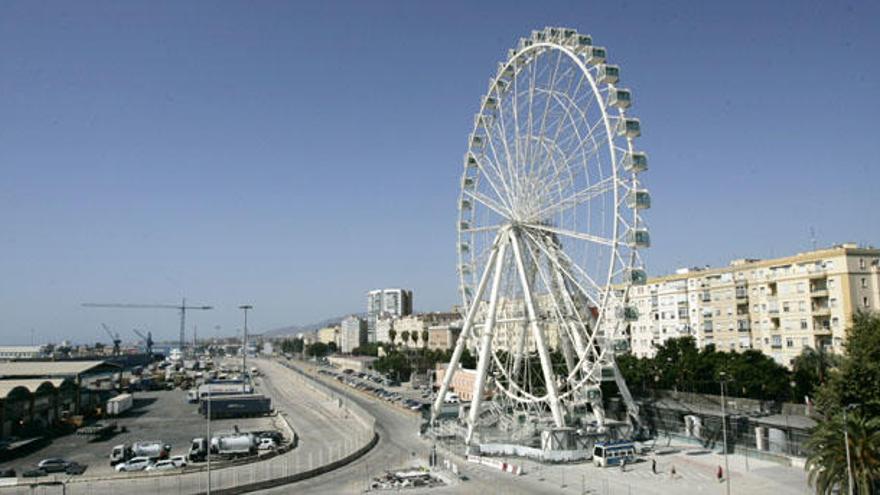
column 549, row 231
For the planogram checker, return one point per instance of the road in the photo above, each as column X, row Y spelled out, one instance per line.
column 695, row 474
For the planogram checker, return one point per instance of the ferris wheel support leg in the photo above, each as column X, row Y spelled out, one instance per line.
column 631, row 408
column 538, row 335
column 464, row 335
column 485, row 345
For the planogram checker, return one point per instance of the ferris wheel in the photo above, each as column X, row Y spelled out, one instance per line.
column 549, row 229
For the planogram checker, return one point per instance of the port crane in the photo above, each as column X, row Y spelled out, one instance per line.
column 114, row 337
column 148, row 341
column 183, row 308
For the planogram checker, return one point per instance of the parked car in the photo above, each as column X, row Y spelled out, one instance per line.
column 134, row 464
column 75, row 468
column 33, row 473
column 266, row 444
column 7, row 473
column 53, row 465
column 163, row 465
column 178, row 460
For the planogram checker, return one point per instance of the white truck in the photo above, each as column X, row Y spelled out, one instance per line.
column 153, row 449
column 119, row 404
column 225, row 446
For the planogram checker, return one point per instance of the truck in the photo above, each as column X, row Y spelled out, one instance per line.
column 224, row 446
column 236, row 406
column 224, row 388
column 119, row 404
column 152, row 449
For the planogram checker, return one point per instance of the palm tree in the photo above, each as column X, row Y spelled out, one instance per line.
column 826, row 463
column 404, row 336
column 414, row 335
column 392, row 334
column 425, row 336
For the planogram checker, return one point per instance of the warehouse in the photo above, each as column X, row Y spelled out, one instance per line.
column 30, row 406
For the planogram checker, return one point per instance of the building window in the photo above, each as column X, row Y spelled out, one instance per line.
column 865, row 302
column 802, row 306
column 803, row 324
column 835, row 322
column 785, row 307
column 861, row 263
column 864, row 283
column 789, row 342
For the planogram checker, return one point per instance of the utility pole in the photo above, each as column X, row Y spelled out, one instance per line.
column 724, row 432
column 208, row 444
column 245, row 308
column 849, row 475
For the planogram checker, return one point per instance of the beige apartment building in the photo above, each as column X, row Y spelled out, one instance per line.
column 329, row 334
column 778, row 306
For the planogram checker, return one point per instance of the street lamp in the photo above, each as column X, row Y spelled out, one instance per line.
column 723, row 379
column 846, row 442
column 244, row 307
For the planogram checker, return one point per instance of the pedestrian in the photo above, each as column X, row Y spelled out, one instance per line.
column 719, row 474
column 672, row 472
column 623, row 465
column 654, row 466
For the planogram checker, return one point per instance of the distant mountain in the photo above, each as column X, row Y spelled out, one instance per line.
column 293, row 330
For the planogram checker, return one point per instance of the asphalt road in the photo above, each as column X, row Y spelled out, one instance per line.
column 399, row 446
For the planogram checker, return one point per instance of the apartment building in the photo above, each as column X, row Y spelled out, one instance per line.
column 778, row 306
column 386, row 302
column 352, row 333
column 418, row 324
column 329, row 334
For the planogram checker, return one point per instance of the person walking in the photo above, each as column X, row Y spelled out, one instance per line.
column 672, row 472
column 654, row 466
column 623, row 465
column 719, row 474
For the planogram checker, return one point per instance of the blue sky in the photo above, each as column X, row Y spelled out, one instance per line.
column 294, row 155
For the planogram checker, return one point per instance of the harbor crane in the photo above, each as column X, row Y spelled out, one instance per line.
column 114, row 337
column 148, row 341
column 181, row 307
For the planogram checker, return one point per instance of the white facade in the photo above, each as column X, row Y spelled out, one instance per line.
column 386, row 302
column 352, row 334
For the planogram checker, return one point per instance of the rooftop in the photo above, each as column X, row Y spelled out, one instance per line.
column 33, row 369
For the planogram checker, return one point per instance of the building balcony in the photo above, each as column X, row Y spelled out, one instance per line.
column 819, row 292
column 821, row 311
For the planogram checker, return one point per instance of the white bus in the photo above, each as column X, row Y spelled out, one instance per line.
column 613, row 453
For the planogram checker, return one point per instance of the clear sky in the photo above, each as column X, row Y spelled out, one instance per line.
column 294, row 155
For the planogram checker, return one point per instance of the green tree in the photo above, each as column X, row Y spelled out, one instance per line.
column 318, row 349
column 370, row 349
column 857, row 379
column 414, row 336
column 425, row 335
column 826, row 462
column 392, row 334
column 854, row 383
column 404, row 336
column 332, row 347
column 810, row 370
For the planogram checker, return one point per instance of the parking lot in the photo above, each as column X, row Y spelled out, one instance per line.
column 163, row 416
column 381, row 387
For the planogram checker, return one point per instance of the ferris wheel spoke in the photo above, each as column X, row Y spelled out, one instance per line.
column 599, row 188
column 489, row 203
column 583, row 236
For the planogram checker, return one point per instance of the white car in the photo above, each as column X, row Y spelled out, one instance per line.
column 178, row 460
column 164, row 464
column 266, row 444
column 134, row 464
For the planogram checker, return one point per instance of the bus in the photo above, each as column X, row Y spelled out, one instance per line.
column 613, row 453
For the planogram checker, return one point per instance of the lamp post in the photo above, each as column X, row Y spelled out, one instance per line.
column 245, row 308
column 723, row 376
column 208, row 444
column 846, row 445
